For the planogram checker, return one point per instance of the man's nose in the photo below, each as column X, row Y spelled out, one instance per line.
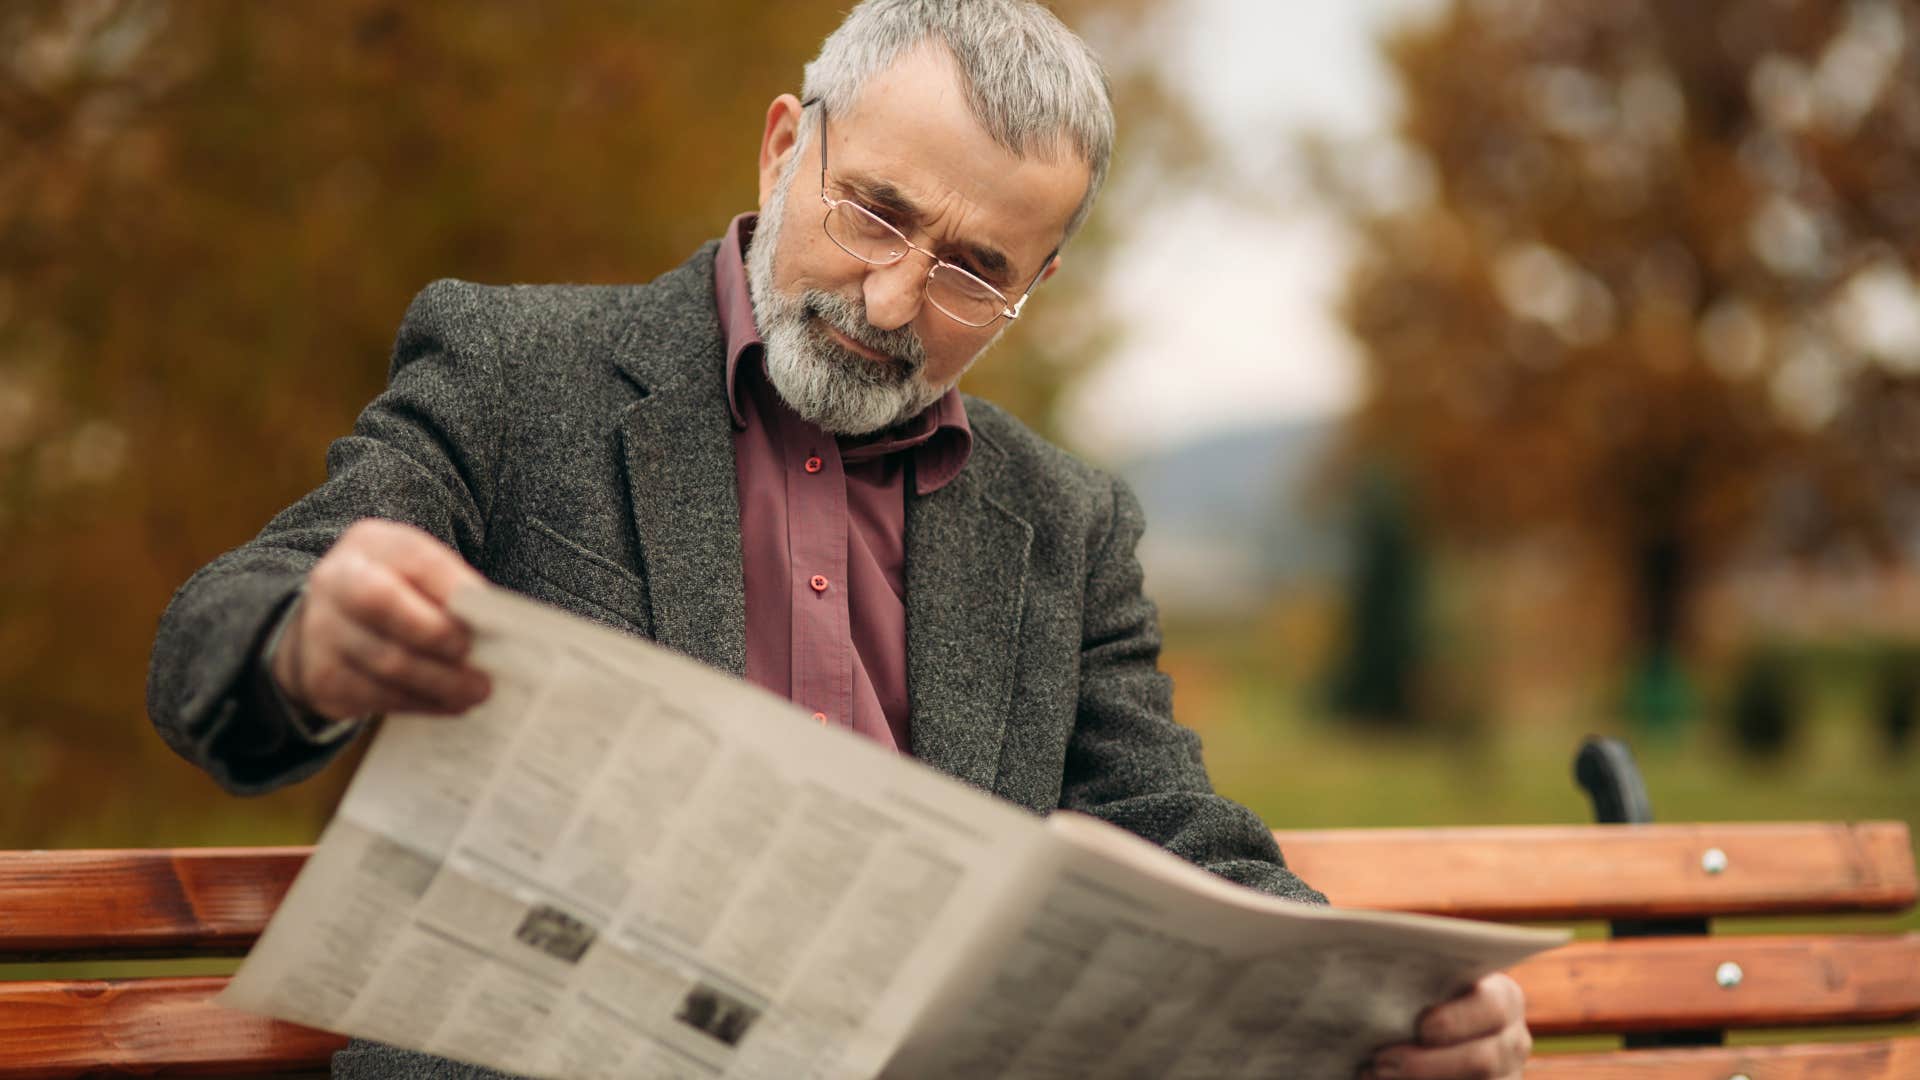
column 894, row 293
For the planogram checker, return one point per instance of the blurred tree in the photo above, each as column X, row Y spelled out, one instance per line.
column 1766, row 706
column 212, row 216
column 1641, row 275
column 1378, row 680
column 1896, row 699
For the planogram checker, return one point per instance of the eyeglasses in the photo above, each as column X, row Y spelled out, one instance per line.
column 953, row 291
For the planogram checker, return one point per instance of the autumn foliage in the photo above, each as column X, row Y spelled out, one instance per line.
column 212, row 216
column 1638, row 279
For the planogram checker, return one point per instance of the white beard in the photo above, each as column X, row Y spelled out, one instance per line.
column 840, row 391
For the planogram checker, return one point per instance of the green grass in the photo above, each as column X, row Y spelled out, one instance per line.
column 119, row 969
column 1298, row 768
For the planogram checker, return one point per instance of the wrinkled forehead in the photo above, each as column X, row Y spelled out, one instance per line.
column 912, row 128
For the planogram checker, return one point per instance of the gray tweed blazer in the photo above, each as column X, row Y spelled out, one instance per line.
column 573, row 443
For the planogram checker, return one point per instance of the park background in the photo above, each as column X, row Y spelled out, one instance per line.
column 1494, row 372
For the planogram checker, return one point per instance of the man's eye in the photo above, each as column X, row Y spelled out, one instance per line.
column 987, row 279
column 969, row 267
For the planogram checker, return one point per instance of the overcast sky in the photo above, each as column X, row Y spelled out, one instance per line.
column 1227, row 316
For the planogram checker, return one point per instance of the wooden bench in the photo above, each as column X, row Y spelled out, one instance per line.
column 1666, row 981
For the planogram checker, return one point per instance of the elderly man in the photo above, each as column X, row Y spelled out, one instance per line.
column 760, row 459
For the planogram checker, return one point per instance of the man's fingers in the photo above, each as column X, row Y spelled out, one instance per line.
column 412, row 679
column 1498, row 1056
column 1481, row 1034
column 415, row 554
column 343, row 691
column 1493, row 1003
column 379, row 598
column 374, row 633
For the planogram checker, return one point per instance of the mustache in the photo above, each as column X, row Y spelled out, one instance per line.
column 850, row 318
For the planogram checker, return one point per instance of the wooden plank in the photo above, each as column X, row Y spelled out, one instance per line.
column 149, row 1026
column 1519, row 873
column 146, row 1027
column 1664, row 984
column 214, row 901
column 181, row 902
column 1883, row 1059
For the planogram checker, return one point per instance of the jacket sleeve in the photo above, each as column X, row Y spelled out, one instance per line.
column 1128, row 762
column 423, row 453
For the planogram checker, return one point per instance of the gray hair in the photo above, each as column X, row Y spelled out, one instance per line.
column 1031, row 82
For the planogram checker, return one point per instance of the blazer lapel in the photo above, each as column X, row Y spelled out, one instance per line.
column 966, row 589
column 677, row 449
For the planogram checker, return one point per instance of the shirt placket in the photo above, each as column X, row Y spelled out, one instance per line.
column 822, row 643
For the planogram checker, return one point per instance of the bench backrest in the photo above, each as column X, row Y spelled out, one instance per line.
column 1687, row 984
column 213, row 902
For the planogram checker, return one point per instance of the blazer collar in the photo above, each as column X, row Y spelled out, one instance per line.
column 677, row 452
column 966, row 594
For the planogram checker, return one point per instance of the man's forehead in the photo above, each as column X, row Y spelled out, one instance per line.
column 911, row 133
column 986, row 253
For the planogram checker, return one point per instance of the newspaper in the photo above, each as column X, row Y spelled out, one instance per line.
column 627, row 864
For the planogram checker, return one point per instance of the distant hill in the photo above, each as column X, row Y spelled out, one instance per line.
column 1228, row 517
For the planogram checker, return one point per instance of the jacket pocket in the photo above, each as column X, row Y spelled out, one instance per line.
column 543, row 564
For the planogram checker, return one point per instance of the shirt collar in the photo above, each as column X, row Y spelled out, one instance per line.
column 939, row 437
column 738, row 331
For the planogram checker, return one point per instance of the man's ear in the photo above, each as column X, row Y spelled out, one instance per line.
column 778, row 141
column 1053, row 267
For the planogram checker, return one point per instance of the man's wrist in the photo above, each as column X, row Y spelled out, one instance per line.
column 311, row 727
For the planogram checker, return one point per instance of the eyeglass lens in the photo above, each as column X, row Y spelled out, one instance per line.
column 867, row 238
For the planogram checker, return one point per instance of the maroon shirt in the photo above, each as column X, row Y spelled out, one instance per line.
column 823, row 531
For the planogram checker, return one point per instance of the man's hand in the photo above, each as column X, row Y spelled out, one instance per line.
column 1480, row 1035
column 373, row 633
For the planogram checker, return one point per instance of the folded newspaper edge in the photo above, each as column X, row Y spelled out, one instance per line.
column 624, row 863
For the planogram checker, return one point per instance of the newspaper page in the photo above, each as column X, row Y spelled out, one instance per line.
column 625, row 864
column 1123, row 961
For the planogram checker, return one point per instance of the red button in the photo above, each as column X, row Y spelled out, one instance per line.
column 819, row 718
column 813, row 464
column 819, row 583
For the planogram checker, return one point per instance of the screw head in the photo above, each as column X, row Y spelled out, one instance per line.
column 1713, row 860
column 1728, row 975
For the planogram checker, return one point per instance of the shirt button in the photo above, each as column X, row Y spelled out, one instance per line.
column 819, row 583
column 819, row 718
column 813, row 464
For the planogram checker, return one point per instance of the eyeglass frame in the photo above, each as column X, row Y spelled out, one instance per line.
column 1009, row 310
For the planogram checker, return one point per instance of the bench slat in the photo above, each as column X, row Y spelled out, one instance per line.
column 1666, row 984
column 1519, row 873
column 215, row 901
column 1883, row 1059
column 184, row 902
column 172, row 1024
column 146, row 1026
